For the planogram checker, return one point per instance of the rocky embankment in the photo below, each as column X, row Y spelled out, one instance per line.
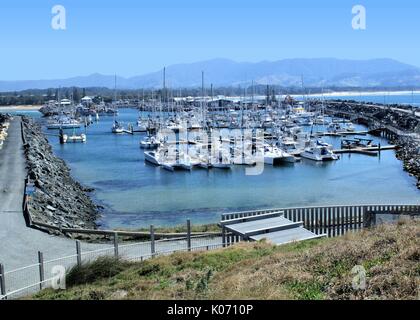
column 59, row 200
column 3, row 117
column 409, row 147
column 409, row 153
column 3, row 129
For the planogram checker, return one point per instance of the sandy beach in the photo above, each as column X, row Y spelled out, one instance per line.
column 363, row 93
column 25, row 107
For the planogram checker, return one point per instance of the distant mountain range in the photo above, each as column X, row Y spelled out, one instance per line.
column 323, row 72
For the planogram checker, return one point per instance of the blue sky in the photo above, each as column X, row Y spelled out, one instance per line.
column 130, row 37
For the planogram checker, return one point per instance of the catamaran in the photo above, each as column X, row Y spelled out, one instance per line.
column 274, row 156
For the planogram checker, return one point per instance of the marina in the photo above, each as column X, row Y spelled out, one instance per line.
column 166, row 191
column 209, row 151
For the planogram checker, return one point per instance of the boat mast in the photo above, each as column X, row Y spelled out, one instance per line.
column 202, row 95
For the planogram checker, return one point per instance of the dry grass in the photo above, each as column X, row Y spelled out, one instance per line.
column 318, row 269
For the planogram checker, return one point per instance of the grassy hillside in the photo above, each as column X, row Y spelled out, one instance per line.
column 319, row 269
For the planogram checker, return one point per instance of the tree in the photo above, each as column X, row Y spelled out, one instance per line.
column 49, row 94
column 76, row 95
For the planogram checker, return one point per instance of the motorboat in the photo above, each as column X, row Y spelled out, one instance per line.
column 152, row 157
column 320, row 151
column 291, row 146
column 149, row 143
column 334, row 127
column 350, row 127
column 74, row 138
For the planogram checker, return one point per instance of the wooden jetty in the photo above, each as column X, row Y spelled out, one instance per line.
column 369, row 151
column 341, row 133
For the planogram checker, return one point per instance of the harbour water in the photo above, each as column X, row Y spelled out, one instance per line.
column 136, row 194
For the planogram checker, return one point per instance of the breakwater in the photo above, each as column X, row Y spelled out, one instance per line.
column 399, row 125
column 58, row 200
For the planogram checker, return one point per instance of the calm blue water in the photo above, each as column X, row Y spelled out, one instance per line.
column 136, row 194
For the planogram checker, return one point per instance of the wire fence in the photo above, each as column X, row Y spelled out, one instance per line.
column 31, row 279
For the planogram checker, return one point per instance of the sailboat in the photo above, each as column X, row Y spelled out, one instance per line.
column 117, row 128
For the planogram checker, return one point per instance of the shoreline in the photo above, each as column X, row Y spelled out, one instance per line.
column 362, row 93
column 59, row 199
column 22, row 108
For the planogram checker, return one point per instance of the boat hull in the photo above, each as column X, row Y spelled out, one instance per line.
column 151, row 158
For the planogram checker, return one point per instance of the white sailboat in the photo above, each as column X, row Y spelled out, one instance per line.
column 117, row 128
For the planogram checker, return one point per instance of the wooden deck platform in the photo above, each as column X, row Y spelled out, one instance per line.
column 341, row 133
column 369, row 151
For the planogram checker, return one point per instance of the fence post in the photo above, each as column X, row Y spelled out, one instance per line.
column 368, row 218
column 79, row 253
column 152, row 240
column 224, row 236
column 116, row 245
column 2, row 281
column 41, row 269
column 189, row 235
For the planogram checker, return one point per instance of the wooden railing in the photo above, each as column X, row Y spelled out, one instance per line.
column 337, row 219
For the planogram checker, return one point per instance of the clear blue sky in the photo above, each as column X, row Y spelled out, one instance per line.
column 130, row 37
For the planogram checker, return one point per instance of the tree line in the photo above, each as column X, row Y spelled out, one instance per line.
column 42, row 96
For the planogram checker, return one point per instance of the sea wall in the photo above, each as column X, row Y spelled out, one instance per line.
column 396, row 117
column 409, row 153
column 59, row 200
column 3, row 117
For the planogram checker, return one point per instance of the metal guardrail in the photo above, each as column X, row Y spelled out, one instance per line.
column 33, row 278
